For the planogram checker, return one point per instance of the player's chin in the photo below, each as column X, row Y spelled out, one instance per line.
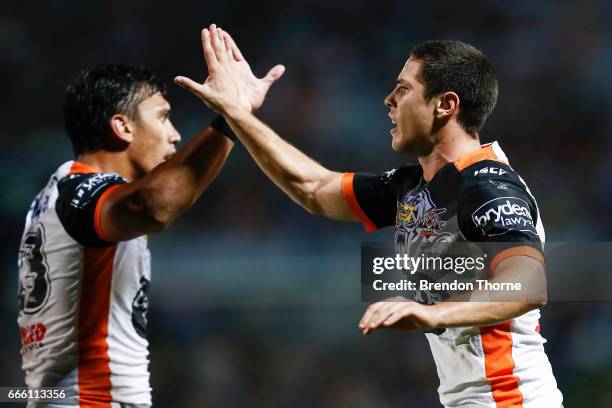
column 398, row 143
column 153, row 163
column 168, row 156
column 406, row 144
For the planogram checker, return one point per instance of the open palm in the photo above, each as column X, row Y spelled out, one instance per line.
column 230, row 82
column 255, row 89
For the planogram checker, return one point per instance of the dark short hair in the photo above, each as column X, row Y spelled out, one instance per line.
column 463, row 69
column 96, row 94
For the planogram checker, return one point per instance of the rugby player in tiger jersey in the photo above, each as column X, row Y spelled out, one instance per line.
column 84, row 265
column 488, row 354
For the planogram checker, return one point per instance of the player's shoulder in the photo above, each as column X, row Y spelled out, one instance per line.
column 492, row 188
column 403, row 176
column 487, row 173
column 79, row 192
column 493, row 199
column 407, row 170
column 490, row 176
column 81, row 187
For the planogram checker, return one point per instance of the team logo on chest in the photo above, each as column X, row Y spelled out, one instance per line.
column 417, row 214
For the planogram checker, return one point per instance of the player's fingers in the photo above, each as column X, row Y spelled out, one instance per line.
column 217, row 44
column 374, row 311
column 228, row 45
column 379, row 314
column 368, row 314
column 406, row 314
column 274, row 74
column 387, row 309
column 209, row 53
column 226, row 51
column 190, row 85
column 235, row 50
column 394, row 318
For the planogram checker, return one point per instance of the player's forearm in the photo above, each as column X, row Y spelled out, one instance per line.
column 474, row 313
column 172, row 187
column 299, row 176
column 486, row 307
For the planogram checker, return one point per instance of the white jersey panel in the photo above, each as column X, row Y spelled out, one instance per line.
column 536, row 380
column 51, row 278
column 127, row 349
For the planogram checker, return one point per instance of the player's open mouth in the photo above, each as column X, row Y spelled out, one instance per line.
column 393, row 122
column 394, row 126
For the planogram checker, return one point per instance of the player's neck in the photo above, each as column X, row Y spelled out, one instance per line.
column 110, row 162
column 450, row 147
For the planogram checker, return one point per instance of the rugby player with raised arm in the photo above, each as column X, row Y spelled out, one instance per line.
column 84, row 265
column 488, row 354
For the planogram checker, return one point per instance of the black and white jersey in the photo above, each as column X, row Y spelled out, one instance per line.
column 478, row 198
column 82, row 300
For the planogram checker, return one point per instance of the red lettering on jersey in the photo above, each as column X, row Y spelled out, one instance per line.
column 32, row 334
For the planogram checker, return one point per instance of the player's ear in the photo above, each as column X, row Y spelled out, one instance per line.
column 447, row 105
column 122, row 128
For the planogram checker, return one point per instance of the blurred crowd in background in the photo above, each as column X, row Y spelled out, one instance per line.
column 254, row 302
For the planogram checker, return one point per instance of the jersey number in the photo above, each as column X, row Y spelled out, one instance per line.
column 34, row 284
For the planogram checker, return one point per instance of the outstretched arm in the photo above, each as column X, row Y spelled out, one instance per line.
column 151, row 203
column 314, row 187
column 309, row 184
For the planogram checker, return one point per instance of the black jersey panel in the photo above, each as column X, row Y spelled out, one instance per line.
column 377, row 194
column 496, row 207
column 76, row 204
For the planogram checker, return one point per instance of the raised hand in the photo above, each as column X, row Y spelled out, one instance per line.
column 254, row 88
column 230, row 82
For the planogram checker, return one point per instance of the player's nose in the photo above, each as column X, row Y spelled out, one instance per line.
column 390, row 101
column 175, row 136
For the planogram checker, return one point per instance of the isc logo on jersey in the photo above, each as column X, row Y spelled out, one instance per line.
column 509, row 213
column 87, row 188
column 490, row 170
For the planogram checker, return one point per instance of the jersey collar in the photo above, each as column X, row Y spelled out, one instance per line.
column 489, row 151
column 82, row 168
